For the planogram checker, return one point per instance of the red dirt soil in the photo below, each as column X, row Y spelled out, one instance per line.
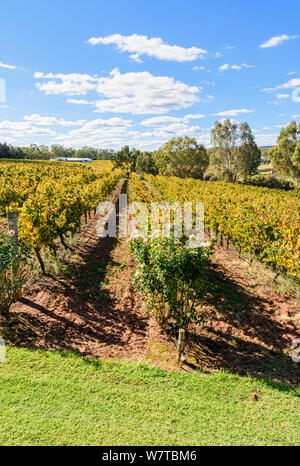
column 93, row 309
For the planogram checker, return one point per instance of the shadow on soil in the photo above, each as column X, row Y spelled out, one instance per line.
column 214, row 347
column 87, row 316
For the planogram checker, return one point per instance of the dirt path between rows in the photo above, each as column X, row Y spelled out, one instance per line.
column 249, row 324
column 91, row 308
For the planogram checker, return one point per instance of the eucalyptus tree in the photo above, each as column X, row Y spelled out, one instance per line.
column 182, row 157
column 235, row 155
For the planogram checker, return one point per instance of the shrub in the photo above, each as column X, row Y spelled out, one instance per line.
column 13, row 259
column 270, row 182
column 169, row 278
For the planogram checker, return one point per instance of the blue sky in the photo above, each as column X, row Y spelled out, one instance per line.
column 133, row 72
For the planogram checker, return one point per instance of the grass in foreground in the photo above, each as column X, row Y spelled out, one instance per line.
column 55, row 398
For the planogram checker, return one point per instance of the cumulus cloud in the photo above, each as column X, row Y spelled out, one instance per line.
column 79, row 101
column 138, row 93
column 98, row 132
column 15, row 129
column 282, row 96
column 276, row 40
column 266, row 139
column 116, row 132
column 164, row 128
column 50, row 121
column 197, row 68
column 9, row 67
column 152, row 46
column 166, row 120
column 226, row 67
column 294, row 82
column 69, row 84
column 143, row 93
column 229, row 113
column 92, row 131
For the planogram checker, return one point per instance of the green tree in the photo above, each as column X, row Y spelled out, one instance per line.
column 285, row 156
column 4, row 151
column 145, row 163
column 235, row 154
column 94, row 153
column 87, row 152
column 61, row 151
column 249, row 155
column 126, row 158
column 182, row 157
column 11, row 152
column 35, row 151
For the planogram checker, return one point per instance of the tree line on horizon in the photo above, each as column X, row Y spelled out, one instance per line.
column 43, row 152
column 233, row 157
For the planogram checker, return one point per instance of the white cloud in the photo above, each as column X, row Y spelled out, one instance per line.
column 143, row 93
column 153, row 47
column 9, row 67
column 266, row 139
column 135, row 57
column 275, row 102
column 23, row 129
column 245, row 65
column 276, row 40
column 197, row 68
column 167, row 120
column 294, row 82
column 226, row 67
column 160, row 120
column 233, row 112
column 39, row 120
column 282, row 96
column 229, row 47
column 94, row 130
column 79, row 101
column 116, row 132
column 69, row 84
column 207, row 83
column 138, row 93
column 113, row 132
column 291, row 73
column 296, row 116
column 195, row 116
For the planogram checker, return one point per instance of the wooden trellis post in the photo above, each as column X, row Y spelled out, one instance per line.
column 180, row 343
column 12, row 220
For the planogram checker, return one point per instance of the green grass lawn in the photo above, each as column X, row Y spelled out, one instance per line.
column 54, row 398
